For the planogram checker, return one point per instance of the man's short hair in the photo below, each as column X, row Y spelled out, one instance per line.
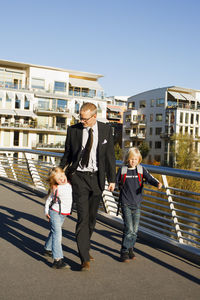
column 89, row 106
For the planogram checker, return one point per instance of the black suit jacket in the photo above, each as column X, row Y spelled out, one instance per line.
column 105, row 151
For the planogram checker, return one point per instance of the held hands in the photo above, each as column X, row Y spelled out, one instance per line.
column 111, row 187
column 48, row 217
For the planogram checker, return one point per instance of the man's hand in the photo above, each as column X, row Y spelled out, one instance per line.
column 111, row 187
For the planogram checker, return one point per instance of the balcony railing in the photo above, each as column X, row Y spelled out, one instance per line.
column 32, row 126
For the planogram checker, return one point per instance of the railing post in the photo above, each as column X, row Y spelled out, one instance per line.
column 110, row 204
column 33, row 172
column 171, row 205
column 2, row 171
column 11, row 165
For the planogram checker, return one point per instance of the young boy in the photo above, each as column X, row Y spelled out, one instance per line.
column 131, row 186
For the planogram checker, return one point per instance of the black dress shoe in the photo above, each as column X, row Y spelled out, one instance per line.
column 85, row 266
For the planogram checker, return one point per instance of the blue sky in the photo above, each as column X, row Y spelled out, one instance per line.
column 136, row 44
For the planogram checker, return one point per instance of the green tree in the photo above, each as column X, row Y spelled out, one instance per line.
column 184, row 152
column 118, row 152
column 144, row 149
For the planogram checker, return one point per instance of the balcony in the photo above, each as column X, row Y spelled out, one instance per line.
column 33, row 126
column 48, row 111
column 138, row 136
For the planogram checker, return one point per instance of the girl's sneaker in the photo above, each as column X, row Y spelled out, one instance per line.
column 60, row 264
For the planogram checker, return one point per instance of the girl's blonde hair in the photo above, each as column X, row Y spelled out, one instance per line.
column 51, row 177
column 132, row 152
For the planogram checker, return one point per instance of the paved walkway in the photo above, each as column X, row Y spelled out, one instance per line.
column 26, row 274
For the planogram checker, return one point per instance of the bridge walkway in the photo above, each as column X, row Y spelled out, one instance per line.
column 26, row 274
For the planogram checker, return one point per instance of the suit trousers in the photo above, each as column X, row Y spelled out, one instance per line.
column 87, row 195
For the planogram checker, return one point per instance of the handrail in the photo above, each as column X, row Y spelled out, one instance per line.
column 172, row 213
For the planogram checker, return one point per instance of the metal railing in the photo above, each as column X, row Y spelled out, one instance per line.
column 172, row 212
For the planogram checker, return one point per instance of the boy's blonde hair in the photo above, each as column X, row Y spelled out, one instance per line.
column 51, row 177
column 132, row 152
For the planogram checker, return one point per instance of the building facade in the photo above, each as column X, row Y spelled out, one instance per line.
column 38, row 103
column 155, row 116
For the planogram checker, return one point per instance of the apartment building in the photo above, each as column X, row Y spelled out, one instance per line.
column 38, row 103
column 154, row 116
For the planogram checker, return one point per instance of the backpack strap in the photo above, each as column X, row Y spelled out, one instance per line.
column 56, row 199
column 123, row 174
column 140, row 174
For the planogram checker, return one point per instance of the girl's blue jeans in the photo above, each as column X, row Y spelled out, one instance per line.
column 131, row 217
column 54, row 240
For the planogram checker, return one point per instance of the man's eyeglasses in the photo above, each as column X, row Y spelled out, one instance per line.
column 85, row 119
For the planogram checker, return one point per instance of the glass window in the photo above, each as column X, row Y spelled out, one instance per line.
column 25, row 139
column 158, row 130
column 92, row 93
column 197, row 119
column 157, row 145
column 61, row 104
column 152, row 102
column 158, row 117
column 84, row 92
column 60, row 86
column 160, row 102
column 77, row 107
column 181, row 117
column 77, row 91
column 142, row 103
column 17, row 103
column 26, row 103
column 150, row 144
column 131, row 104
column 186, row 118
column 16, row 138
column 151, row 117
column 37, row 83
column 192, row 119
column 71, row 91
column 43, row 104
column 150, row 131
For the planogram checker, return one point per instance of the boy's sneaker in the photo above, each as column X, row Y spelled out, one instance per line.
column 47, row 253
column 131, row 254
column 125, row 257
column 60, row 264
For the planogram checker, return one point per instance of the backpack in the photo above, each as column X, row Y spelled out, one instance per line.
column 124, row 173
column 123, row 179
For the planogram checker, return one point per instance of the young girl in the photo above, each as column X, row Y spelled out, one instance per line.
column 57, row 206
column 131, row 186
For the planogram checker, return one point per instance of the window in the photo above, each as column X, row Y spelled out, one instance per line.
column 152, row 102
column 127, row 144
column 151, row 117
column 60, row 86
column 77, row 106
column 181, row 117
column 186, row 129
column 25, row 139
column 77, row 91
column 128, row 118
column 16, row 138
column 186, row 118
column 84, row 92
column 150, row 144
column 43, row 104
column 160, row 102
column 157, row 145
column 142, row 103
column 17, row 102
column 26, row 103
column 61, row 104
column 131, row 105
column 158, row 130
column 150, row 131
column 127, row 131
column 92, row 93
column 197, row 119
column 192, row 119
column 181, row 129
column 158, row 117
column 37, row 83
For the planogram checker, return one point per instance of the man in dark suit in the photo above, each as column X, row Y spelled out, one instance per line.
column 89, row 155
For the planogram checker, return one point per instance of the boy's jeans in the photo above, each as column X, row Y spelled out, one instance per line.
column 131, row 217
column 54, row 240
